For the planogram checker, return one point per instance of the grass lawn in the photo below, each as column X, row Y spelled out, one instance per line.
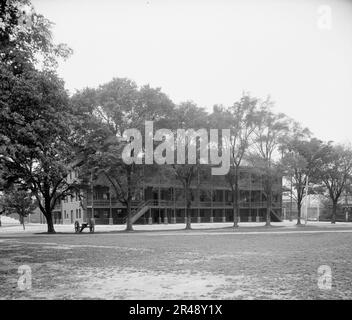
column 178, row 265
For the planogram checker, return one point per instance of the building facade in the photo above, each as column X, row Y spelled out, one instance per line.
column 161, row 200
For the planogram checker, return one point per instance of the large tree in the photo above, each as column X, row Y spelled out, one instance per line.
column 26, row 38
column 113, row 108
column 125, row 179
column 35, row 136
column 17, row 202
column 269, row 133
column 300, row 163
column 241, row 119
column 335, row 170
column 34, row 109
column 188, row 116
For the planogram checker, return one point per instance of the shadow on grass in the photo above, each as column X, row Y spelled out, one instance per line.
column 180, row 230
column 262, row 228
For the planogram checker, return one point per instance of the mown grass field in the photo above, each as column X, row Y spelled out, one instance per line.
column 199, row 264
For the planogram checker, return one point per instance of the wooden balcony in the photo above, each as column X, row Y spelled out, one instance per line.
column 106, row 203
column 179, row 204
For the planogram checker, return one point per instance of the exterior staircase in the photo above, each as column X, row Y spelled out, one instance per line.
column 144, row 206
column 274, row 217
column 138, row 212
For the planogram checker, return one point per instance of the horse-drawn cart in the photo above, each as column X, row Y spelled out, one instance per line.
column 79, row 228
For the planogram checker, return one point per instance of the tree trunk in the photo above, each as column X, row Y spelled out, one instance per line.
column 188, row 211
column 49, row 221
column 334, row 209
column 188, row 218
column 268, row 209
column 22, row 221
column 129, row 226
column 235, row 215
column 268, row 190
column 49, row 216
column 236, row 205
column 299, row 209
column 267, row 221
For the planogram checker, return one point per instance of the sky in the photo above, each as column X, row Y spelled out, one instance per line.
column 297, row 51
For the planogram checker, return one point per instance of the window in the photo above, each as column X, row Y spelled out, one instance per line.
column 255, row 179
column 76, row 213
column 65, row 214
column 79, row 213
column 71, row 213
column 204, row 195
column 244, row 177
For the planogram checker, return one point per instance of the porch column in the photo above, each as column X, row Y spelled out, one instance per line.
column 261, row 196
column 211, row 203
column 173, row 219
column 165, row 216
column 223, row 204
column 110, row 213
column 159, row 199
column 250, row 197
column 159, row 217
column 159, row 195
column 198, row 210
column 198, row 197
column 92, row 186
column 185, row 215
column 150, row 219
column 290, row 217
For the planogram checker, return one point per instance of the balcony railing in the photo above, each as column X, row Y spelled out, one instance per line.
column 179, row 204
column 106, row 203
